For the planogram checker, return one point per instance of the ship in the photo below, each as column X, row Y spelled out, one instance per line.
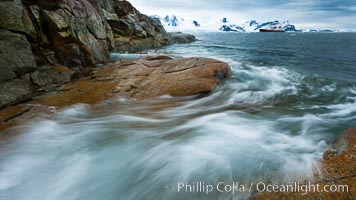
column 273, row 29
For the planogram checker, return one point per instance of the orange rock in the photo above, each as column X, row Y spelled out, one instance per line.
column 9, row 113
column 139, row 78
column 143, row 78
column 338, row 167
column 181, row 77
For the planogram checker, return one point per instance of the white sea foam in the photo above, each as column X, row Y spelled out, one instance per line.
column 267, row 121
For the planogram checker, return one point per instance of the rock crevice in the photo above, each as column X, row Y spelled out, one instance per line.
column 37, row 36
column 139, row 79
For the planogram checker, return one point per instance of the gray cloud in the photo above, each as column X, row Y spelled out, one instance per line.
column 336, row 14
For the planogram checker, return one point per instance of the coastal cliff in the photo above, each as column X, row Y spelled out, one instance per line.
column 48, row 43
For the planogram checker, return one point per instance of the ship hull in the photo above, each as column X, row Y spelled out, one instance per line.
column 268, row 30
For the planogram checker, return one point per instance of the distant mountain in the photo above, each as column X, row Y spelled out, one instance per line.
column 223, row 25
column 175, row 23
column 320, row 30
column 254, row 26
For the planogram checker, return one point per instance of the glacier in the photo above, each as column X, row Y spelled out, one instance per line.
column 174, row 23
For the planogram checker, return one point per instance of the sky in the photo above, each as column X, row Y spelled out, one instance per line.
column 320, row 14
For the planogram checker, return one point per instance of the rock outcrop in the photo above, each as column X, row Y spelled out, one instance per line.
column 16, row 56
column 138, row 78
column 338, row 168
column 179, row 37
column 339, row 164
column 141, row 79
column 38, row 37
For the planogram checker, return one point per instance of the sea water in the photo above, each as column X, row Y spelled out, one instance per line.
column 290, row 94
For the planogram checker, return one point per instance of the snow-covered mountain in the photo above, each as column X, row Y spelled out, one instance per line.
column 223, row 25
column 254, row 26
column 176, row 23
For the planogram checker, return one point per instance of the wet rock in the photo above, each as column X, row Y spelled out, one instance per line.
column 338, row 167
column 9, row 113
column 133, row 45
column 11, row 15
column 51, row 77
column 88, row 30
column 143, row 78
column 38, row 35
column 82, row 26
column 178, row 37
column 30, row 28
column 55, row 20
column 339, row 160
column 134, row 31
column 16, row 57
column 181, row 77
column 16, row 115
column 15, row 90
column 136, row 78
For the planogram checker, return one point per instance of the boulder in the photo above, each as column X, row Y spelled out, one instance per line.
column 16, row 57
column 179, row 77
column 178, row 37
column 51, row 77
column 11, row 15
column 143, row 78
column 134, row 31
column 14, row 91
column 124, row 44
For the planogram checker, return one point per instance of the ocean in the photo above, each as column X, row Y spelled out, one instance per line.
column 289, row 96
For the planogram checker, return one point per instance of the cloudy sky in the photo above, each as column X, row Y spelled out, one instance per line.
column 323, row 14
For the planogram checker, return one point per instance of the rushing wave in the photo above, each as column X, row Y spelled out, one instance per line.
column 270, row 120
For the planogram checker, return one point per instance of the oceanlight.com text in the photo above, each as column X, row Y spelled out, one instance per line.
column 236, row 187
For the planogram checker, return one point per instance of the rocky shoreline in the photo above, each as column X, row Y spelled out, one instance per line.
column 45, row 44
column 338, row 167
column 50, row 58
column 132, row 78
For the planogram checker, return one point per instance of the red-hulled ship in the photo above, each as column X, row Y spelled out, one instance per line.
column 273, row 29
